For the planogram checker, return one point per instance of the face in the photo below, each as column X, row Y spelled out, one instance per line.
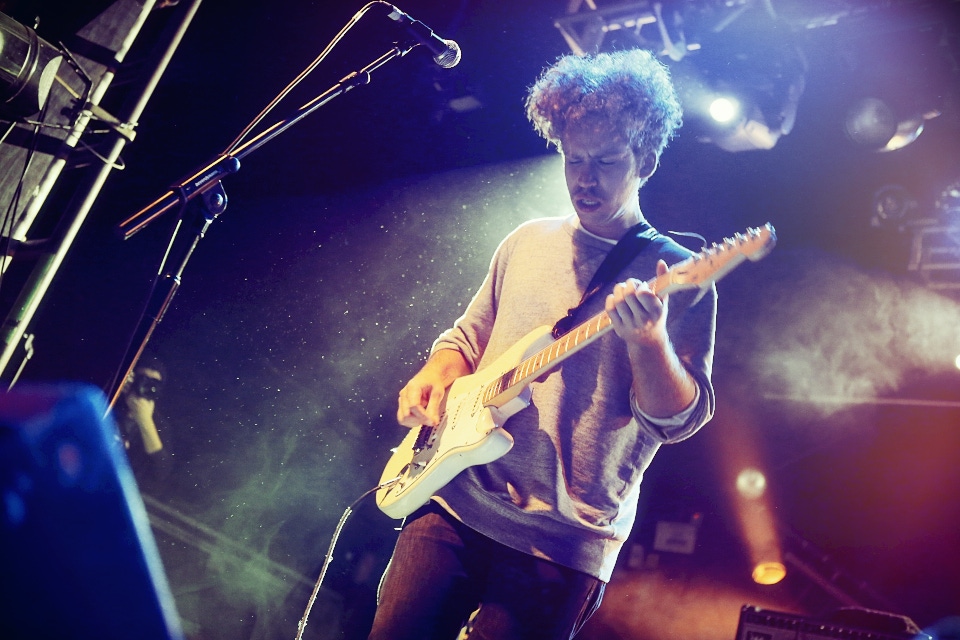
column 603, row 177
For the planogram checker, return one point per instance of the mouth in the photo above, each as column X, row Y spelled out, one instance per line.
column 584, row 203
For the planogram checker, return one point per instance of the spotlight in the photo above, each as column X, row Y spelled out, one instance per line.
column 870, row 122
column 724, row 109
column 751, row 483
column 28, row 66
column 907, row 131
column 892, row 205
column 616, row 26
column 745, row 133
column 768, row 573
column 873, row 123
column 741, row 97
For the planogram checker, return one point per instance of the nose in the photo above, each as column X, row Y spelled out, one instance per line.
column 586, row 174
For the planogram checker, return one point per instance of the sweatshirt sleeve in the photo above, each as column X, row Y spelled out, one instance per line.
column 692, row 327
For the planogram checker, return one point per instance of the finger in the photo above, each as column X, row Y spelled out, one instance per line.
column 618, row 306
column 610, row 306
column 639, row 303
column 412, row 417
column 624, row 291
column 651, row 304
column 404, row 413
column 410, row 422
column 432, row 412
column 662, row 270
column 637, row 298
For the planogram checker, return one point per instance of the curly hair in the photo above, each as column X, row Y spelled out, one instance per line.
column 631, row 90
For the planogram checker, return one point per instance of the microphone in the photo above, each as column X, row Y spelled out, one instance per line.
column 446, row 53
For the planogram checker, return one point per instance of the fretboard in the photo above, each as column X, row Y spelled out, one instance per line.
column 533, row 366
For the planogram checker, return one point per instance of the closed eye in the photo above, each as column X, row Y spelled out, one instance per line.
column 614, row 159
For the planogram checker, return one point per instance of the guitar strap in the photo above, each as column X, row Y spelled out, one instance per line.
column 630, row 244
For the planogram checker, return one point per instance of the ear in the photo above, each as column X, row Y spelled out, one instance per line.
column 647, row 164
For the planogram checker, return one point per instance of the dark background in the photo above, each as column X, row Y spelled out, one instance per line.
column 355, row 237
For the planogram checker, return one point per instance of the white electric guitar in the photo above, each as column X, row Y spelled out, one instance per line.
column 476, row 406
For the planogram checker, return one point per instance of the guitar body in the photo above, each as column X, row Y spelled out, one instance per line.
column 469, row 434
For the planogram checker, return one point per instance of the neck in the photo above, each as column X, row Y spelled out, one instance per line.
column 613, row 229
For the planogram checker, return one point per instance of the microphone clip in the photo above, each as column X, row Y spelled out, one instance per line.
column 446, row 53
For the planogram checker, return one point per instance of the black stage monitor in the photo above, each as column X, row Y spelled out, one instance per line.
column 78, row 557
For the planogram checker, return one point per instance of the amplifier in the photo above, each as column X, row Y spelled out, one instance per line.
column 762, row 624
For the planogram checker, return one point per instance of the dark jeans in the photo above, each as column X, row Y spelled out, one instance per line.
column 442, row 571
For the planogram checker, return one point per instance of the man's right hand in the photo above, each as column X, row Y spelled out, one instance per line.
column 420, row 399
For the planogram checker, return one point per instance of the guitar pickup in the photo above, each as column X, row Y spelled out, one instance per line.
column 423, row 439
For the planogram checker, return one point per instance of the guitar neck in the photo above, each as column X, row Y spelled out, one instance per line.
column 697, row 271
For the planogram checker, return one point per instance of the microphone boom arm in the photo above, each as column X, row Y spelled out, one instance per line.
column 209, row 174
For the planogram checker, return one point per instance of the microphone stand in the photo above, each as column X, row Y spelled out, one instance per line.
column 206, row 184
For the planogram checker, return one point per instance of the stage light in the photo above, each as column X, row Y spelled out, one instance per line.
column 765, row 552
column 769, row 573
column 907, row 131
column 746, row 133
column 28, row 66
column 724, row 109
column 873, row 123
column 892, row 205
column 751, row 484
column 870, row 122
column 740, row 100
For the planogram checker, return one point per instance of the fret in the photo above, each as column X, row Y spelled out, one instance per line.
column 541, row 357
column 560, row 346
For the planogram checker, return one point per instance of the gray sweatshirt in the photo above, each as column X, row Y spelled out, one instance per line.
column 567, row 491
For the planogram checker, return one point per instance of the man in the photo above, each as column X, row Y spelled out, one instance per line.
column 523, row 546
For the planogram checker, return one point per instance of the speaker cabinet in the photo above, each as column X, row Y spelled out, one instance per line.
column 78, row 557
